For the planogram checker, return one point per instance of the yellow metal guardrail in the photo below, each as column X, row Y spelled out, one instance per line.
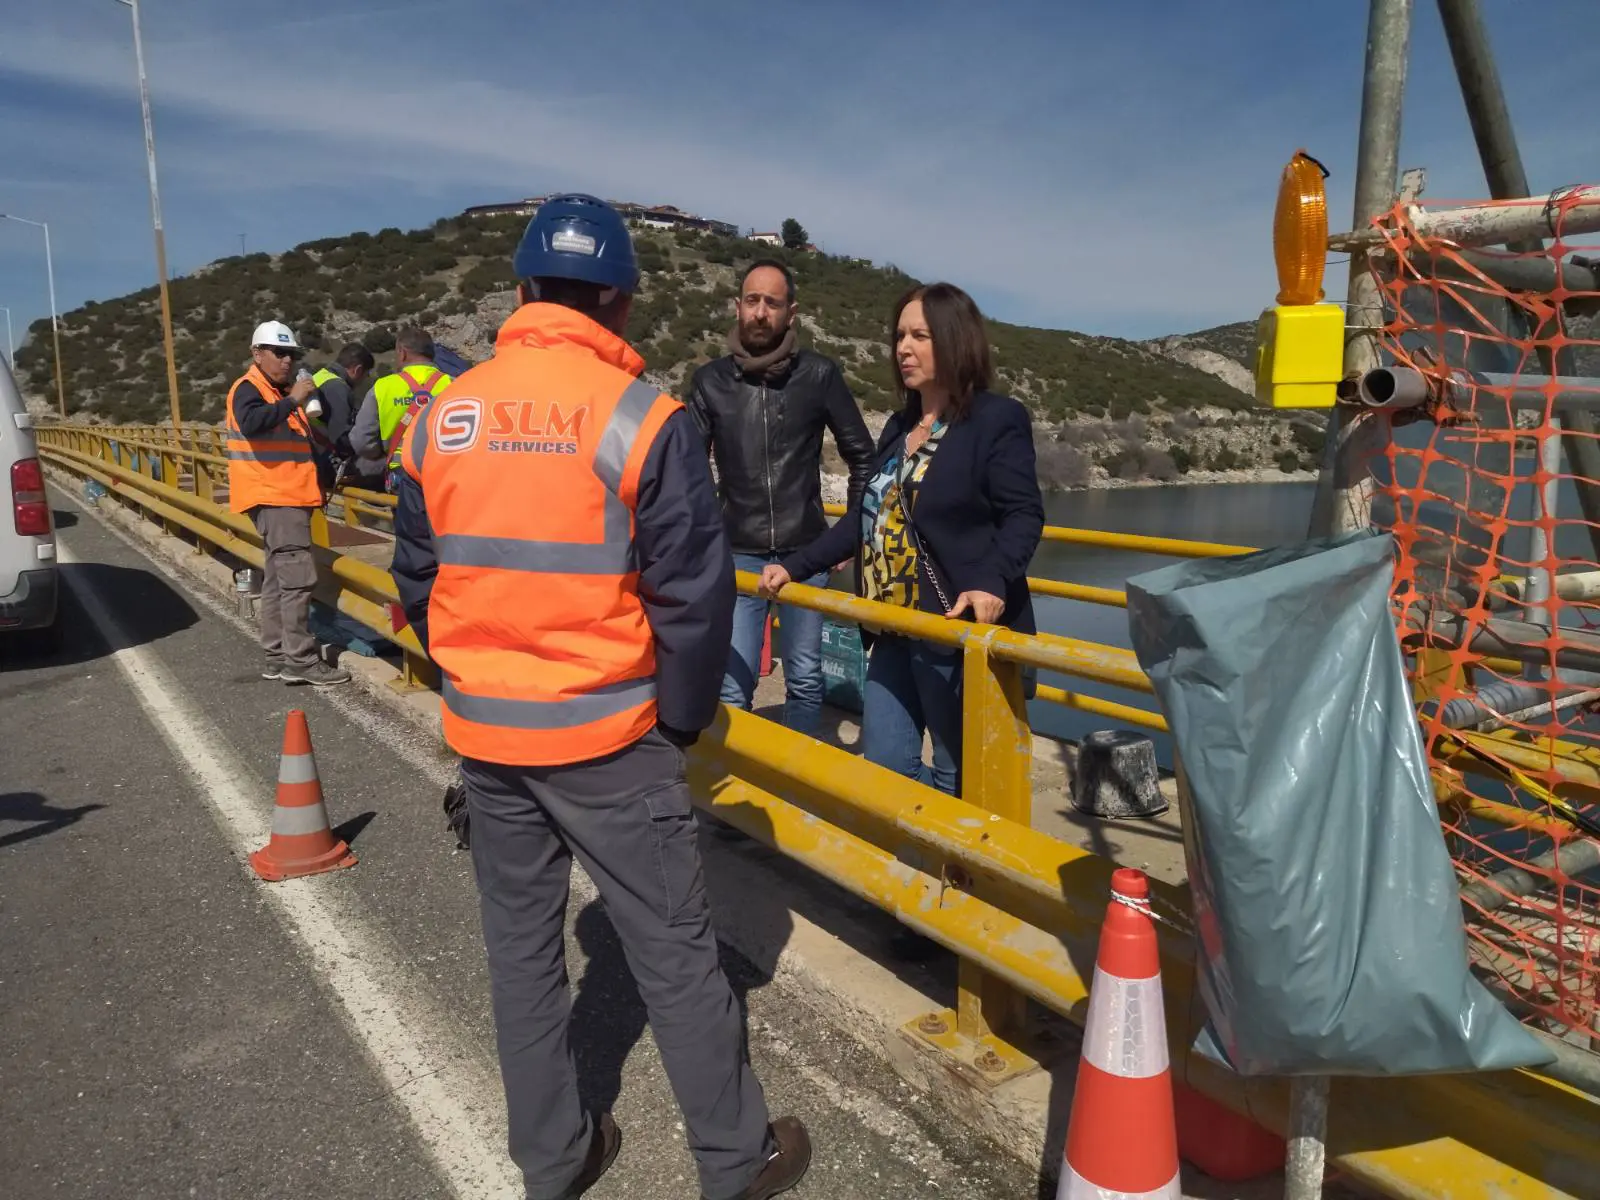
column 1022, row 910
column 202, row 445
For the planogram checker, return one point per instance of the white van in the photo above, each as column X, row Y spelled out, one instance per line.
column 28, row 582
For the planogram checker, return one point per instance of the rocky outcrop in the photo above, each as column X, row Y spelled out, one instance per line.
column 1232, row 372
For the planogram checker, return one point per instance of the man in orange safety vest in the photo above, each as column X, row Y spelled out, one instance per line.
column 559, row 551
column 272, row 478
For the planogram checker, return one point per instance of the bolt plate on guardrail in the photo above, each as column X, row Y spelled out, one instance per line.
column 984, row 1062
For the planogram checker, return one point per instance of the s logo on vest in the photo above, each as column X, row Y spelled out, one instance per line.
column 458, row 423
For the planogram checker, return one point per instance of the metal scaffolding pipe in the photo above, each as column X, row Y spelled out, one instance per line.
column 1535, row 273
column 1490, row 117
column 1514, row 883
column 1495, row 224
column 1394, row 388
column 1573, row 586
column 1524, row 641
column 1490, row 702
column 1344, row 488
column 1390, row 389
column 1523, row 716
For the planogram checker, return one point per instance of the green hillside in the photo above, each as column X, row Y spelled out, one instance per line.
column 454, row 278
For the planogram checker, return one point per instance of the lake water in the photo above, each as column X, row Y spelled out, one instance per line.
column 1244, row 514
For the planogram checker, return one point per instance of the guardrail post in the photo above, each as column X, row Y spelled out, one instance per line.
column 990, row 1016
column 417, row 674
column 167, row 464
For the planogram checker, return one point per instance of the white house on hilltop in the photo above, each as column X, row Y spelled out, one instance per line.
column 660, row 216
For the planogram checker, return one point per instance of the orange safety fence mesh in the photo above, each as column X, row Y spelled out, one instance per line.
column 1491, row 486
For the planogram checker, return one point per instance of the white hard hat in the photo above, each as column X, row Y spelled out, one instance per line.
column 274, row 333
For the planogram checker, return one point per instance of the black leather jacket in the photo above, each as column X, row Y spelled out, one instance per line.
column 766, row 439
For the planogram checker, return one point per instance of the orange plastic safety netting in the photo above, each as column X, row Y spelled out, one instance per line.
column 1491, row 486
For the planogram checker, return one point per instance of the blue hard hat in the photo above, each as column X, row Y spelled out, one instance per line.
column 578, row 237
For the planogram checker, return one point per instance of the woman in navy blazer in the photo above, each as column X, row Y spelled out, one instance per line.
column 948, row 524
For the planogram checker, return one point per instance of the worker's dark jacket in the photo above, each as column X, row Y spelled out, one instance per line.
column 685, row 572
column 254, row 414
column 766, row 438
column 978, row 512
column 338, row 409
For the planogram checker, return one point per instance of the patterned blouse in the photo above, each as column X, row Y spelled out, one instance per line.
column 888, row 553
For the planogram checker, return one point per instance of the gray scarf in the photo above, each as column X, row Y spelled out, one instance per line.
column 771, row 366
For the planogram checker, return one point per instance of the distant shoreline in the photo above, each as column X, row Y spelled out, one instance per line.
column 1202, row 478
column 834, row 486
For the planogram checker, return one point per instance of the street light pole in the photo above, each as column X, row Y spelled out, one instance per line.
column 55, row 321
column 155, row 217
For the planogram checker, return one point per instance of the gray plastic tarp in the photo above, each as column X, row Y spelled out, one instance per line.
column 1330, row 925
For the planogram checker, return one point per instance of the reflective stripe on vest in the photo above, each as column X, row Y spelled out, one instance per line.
column 608, row 700
column 274, row 468
column 542, row 640
column 611, row 459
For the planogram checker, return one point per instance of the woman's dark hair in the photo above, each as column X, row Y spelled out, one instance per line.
column 960, row 346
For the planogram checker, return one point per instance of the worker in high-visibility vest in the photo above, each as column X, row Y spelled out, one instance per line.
column 392, row 405
column 559, row 551
column 272, row 478
column 338, row 384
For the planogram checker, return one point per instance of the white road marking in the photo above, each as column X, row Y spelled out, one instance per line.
column 396, row 736
column 456, row 1110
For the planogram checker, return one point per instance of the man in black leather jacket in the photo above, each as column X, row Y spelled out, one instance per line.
column 762, row 409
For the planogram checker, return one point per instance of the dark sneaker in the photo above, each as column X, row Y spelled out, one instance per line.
column 318, row 674
column 272, row 670
column 603, row 1146
column 787, row 1164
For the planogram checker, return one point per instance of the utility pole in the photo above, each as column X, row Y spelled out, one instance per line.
column 1344, row 492
column 11, row 346
column 241, row 245
column 55, row 321
column 155, row 218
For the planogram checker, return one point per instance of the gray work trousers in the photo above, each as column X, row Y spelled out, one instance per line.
column 628, row 820
column 291, row 573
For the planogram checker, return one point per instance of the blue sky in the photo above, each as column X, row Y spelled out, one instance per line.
column 1108, row 167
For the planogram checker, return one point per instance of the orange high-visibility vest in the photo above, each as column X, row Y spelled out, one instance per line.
column 529, row 466
column 275, row 467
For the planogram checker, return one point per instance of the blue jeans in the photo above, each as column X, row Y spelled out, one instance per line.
column 912, row 687
column 799, row 645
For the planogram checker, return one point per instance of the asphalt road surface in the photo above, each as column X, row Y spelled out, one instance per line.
column 172, row 1027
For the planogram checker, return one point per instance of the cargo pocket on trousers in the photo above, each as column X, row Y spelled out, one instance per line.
column 297, row 570
column 675, row 842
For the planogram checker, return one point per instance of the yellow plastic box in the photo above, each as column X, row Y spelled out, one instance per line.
column 1299, row 355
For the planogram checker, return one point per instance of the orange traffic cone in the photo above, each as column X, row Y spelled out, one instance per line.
column 302, row 842
column 1121, row 1137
